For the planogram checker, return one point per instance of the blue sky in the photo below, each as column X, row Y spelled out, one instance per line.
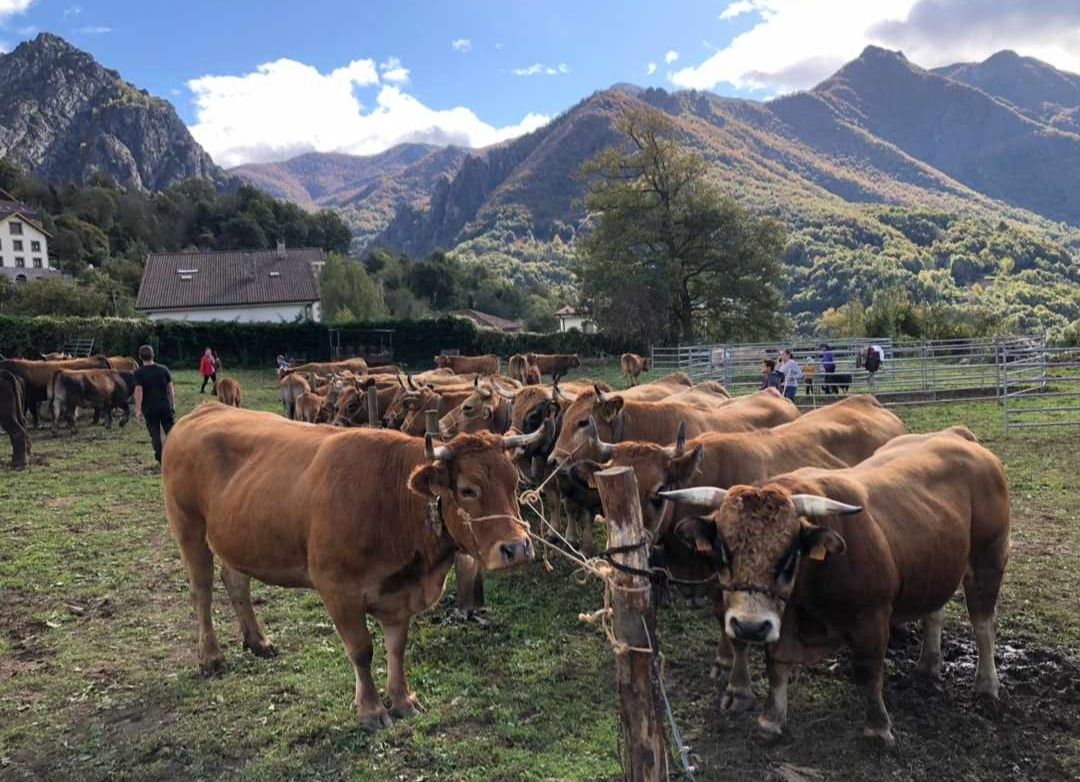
column 359, row 76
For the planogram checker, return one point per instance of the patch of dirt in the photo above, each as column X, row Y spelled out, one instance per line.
column 60, row 502
column 944, row 731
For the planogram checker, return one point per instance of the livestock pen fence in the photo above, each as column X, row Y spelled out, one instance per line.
column 1036, row 384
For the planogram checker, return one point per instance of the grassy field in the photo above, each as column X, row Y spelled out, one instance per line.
column 98, row 677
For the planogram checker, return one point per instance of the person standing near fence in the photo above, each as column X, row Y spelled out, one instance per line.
column 828, row 361
column 792, row 374
column 872, row 363
column 208, row 371
column 155, row 398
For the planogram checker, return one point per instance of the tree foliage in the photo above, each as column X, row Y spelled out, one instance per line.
column 668, row 257
column 348, row 291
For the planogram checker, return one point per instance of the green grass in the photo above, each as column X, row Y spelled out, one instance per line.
column 98, row 677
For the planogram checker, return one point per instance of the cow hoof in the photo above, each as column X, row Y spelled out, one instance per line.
column 769, row 731
column 407, row 708
column 736, row 702
column 376, row 721
column 986, row 687
column 263, row 648
column 212, row 666
column 882, row 736
column 929, row 670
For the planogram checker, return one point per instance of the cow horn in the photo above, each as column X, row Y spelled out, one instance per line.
column 484, row 391
column 525, row 440
column 599, row 393
column 705, row 496
column 440, row 454
column 502, row 392
column 680, row 439
column 813, row 506
column 605, row 449
column 412, row 385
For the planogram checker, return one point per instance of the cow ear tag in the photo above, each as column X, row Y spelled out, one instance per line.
column 591, row 481
column 702, row 546
column 818, row 552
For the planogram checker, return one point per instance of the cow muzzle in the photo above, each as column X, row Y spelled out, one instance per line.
column 755, row 628
column 510, row 554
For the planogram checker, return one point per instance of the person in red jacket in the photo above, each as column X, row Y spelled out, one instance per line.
column 208, row 371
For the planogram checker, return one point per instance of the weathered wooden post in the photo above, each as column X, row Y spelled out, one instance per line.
column 644, row 746
column 470, row 582
column 373, row 406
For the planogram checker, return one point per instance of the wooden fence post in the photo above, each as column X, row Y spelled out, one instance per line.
column 645, row 746
column 470, row 582
column 373, row 406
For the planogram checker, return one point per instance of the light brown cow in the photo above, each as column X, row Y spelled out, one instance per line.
column 481, row 365
column 229, row 392
column 37, row 377
column 532, row 375
column 56, row 356
column 328, row 367
column 295, row 505
column 554, row 365
column 517, row 367
column 834, row 436
column 290, row 389
column 309, row 408
column 632, row 366
column 355, row 412
column 895, row 536
column 122, row 363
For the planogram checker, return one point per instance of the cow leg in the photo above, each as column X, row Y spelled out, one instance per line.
column 199, row 561
column 108, row 416
column 351, row 623
column 930, row 658
column 868, row 661
column 981, row 585
column 738, row 696
column 402, row 702
column 126, row 416
column 470, row 584
column 238, row 585
column 772, row 720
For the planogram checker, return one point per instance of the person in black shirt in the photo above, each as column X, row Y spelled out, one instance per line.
column 155, row 397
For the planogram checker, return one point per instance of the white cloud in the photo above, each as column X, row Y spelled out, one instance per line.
column 539, row 69
column 73, row 10
column 671, row 56
column 461, row 45
column 10, row 7
column 285, row 108
column 737, row 8
column 94, row 29
column 650, row 69
column 393, row 71
column 793, row 44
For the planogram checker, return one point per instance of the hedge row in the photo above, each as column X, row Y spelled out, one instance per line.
column 415, row 342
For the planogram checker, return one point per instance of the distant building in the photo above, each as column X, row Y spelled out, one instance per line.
column 24, row 243
column 570, row 318
column 273, row 286
column 484, row 320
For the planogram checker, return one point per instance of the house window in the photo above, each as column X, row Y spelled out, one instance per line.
column 35, row 247
column 20, row 279
column 37, row 263
column 16, row 245
column 16, row 228
column 20, row 262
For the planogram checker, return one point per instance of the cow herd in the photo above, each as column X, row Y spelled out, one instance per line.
column 809, row 532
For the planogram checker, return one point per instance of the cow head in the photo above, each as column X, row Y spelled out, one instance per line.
column 657, row 469
column 576, row 439
column 755, row 542
column 481, row 411
column 442, row 362
column 475, row 482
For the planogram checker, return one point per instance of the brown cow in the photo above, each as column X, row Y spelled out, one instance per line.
column 309, row 408
column 408, row 409
column 229, row 392
column 632, row 366
column 554, row 364
column 291, row 505
column 482, row 365
column 532, row 375
column 12, row 418
column 517, row 366
column 328, row 367
column 354, row 412
column 56, row 356
column 834, row 436
column 102, row 389
column 483, row 410
column 290, row 389
column 122, row 363
column 896, row 535
column 37, row 377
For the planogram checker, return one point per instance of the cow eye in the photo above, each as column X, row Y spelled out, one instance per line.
column 786, row 569
column 582, row 424
column 470, row 493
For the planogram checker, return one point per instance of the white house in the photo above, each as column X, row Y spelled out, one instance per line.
column 24, row 243
column 274, row 286
column 570, row 318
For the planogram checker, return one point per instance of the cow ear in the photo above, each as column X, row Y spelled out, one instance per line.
column 427, row 479
column 610, row 406
column 698, row 533
column 683, row 466
column 818, row 542
column 584, row 471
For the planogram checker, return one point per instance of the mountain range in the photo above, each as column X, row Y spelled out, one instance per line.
column 884, row 171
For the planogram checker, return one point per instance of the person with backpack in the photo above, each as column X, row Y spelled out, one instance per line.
column 792, row 372
column 770, row 378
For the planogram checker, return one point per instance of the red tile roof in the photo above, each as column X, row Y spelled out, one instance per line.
column 489, row 321
column 232, row 278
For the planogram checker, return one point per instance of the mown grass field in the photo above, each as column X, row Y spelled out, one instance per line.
column 98, row 677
